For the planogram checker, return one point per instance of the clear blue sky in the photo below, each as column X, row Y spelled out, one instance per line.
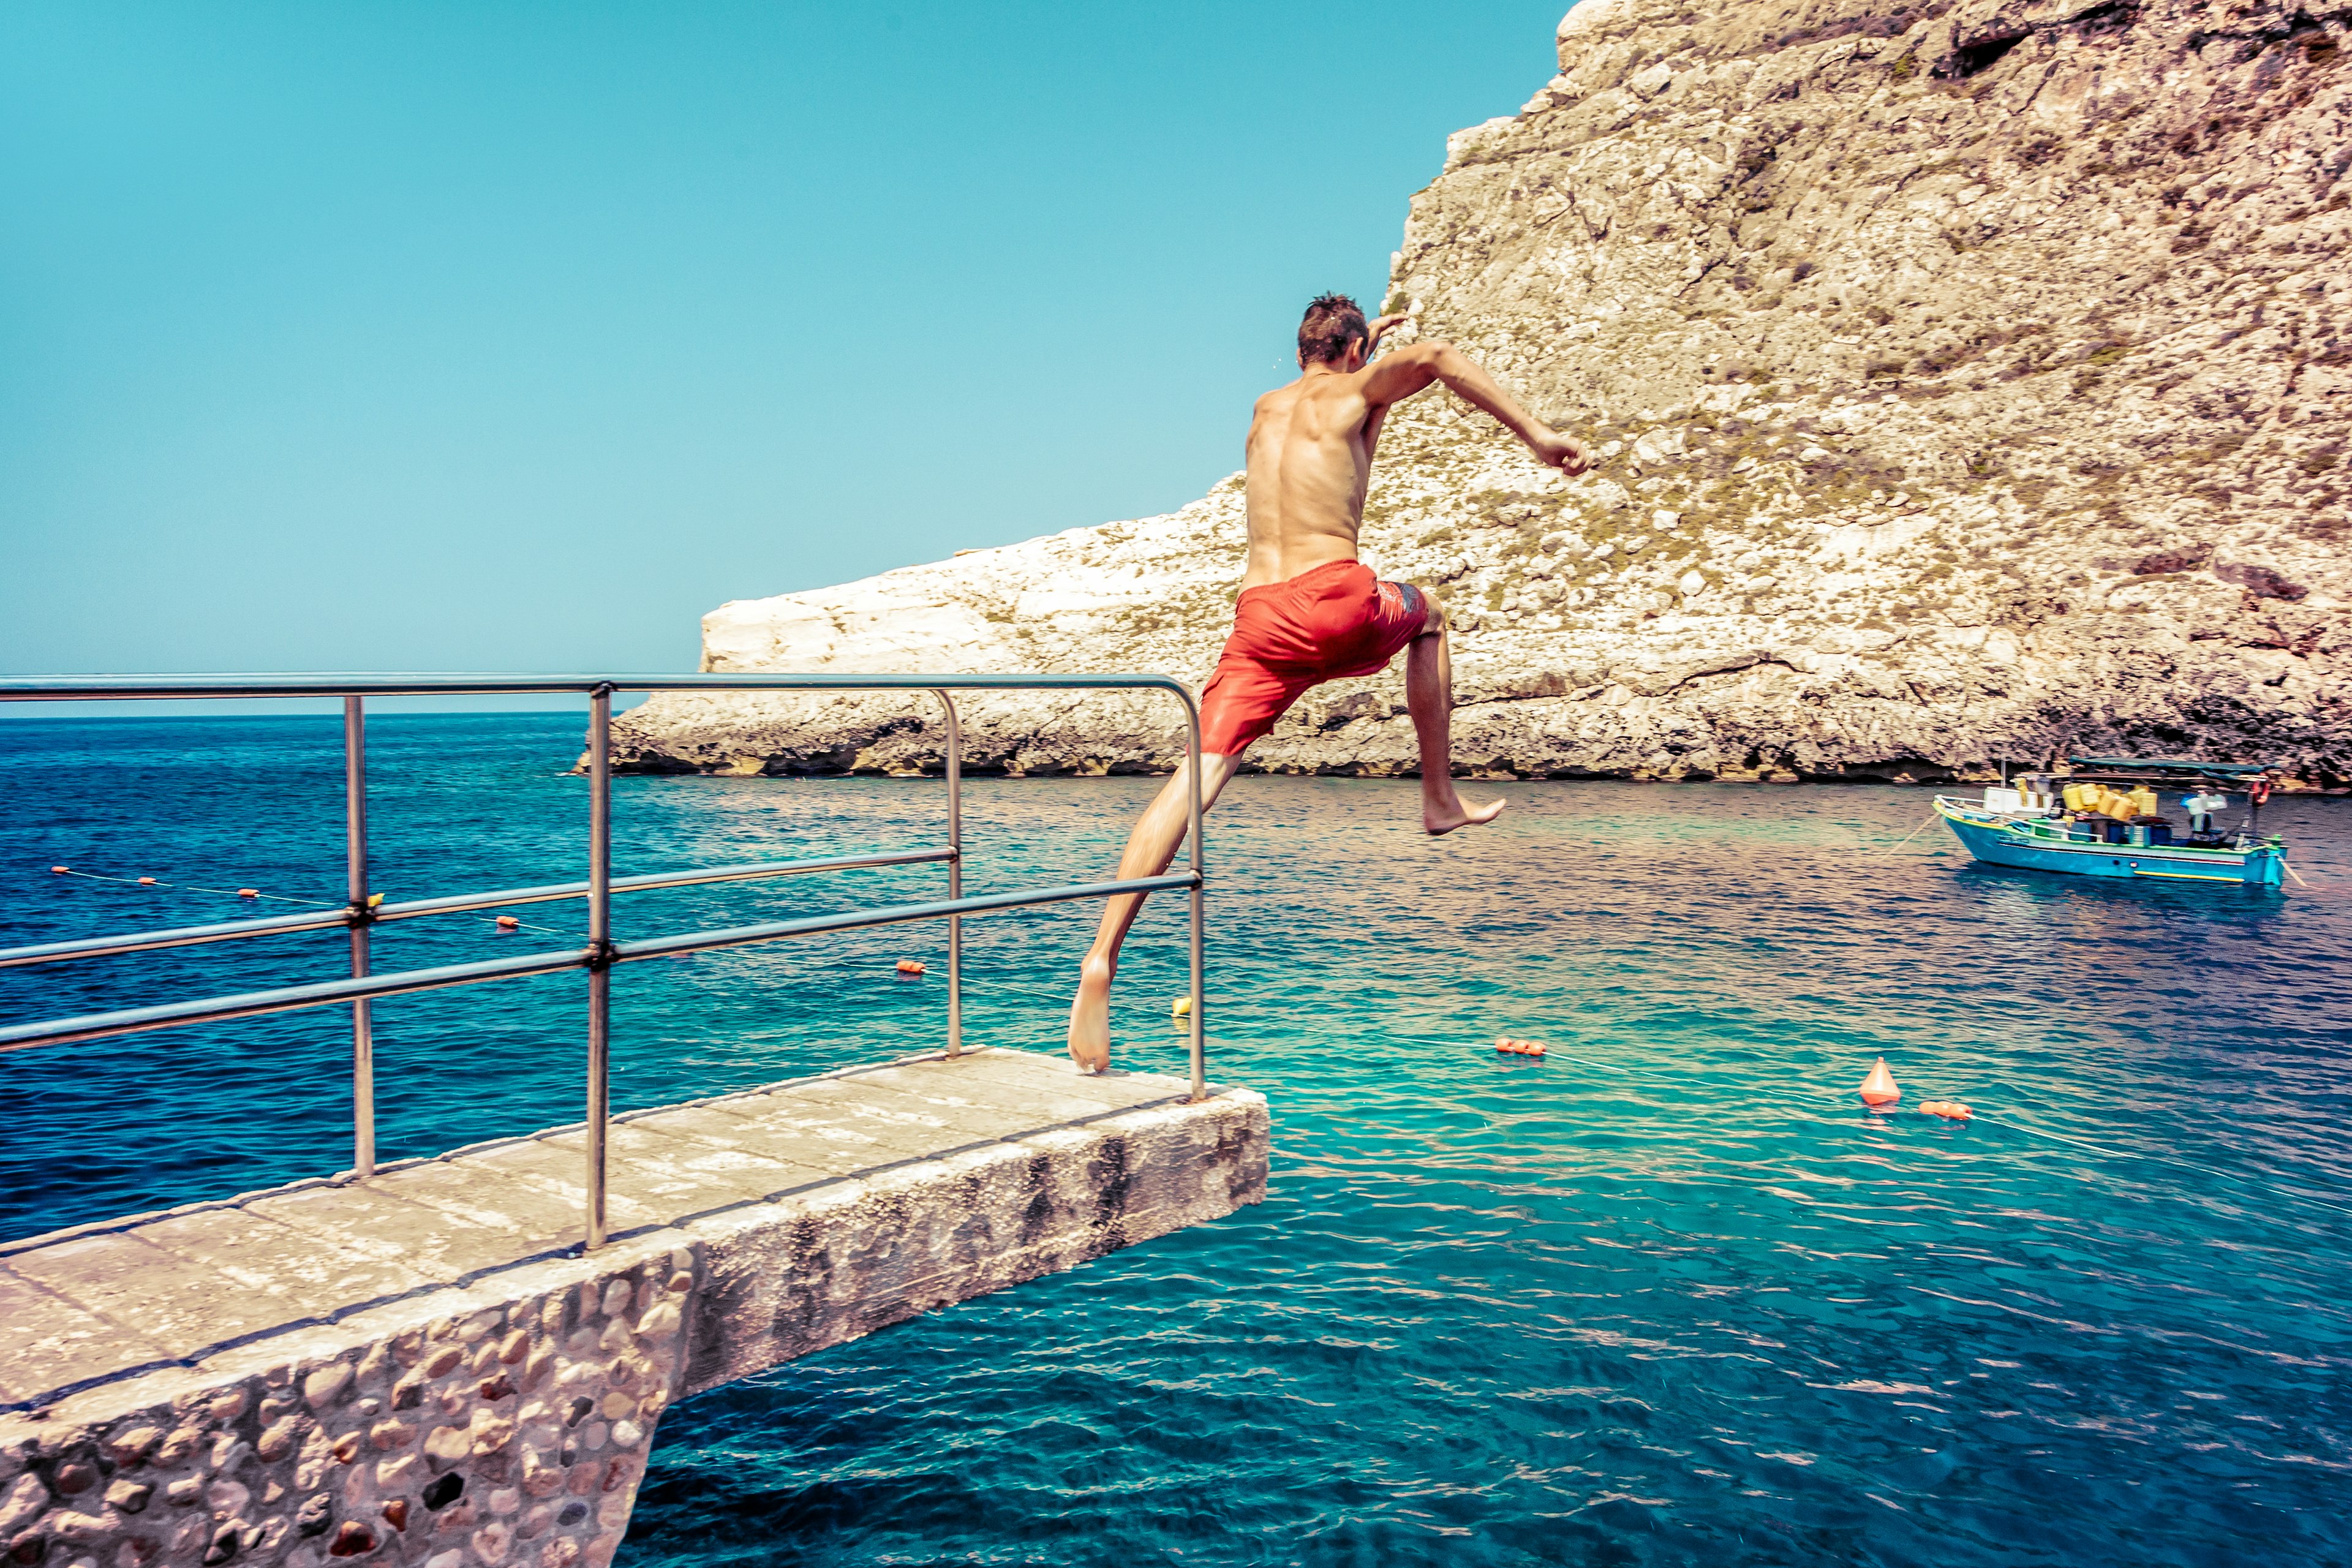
column 495, row 336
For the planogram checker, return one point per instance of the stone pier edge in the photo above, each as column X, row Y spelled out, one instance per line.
column 506, row 1420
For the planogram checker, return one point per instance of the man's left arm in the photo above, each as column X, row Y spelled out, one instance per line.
column 1411, row 368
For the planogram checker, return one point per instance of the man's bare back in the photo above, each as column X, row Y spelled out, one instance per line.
column 1311, row 444
column 1308, row 611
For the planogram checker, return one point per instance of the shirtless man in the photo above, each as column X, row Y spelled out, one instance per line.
column 1310, row 611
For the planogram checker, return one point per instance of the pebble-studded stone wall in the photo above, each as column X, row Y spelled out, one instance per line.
column 502, row 1432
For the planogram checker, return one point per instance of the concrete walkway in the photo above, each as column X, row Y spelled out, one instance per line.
column 323, row 1330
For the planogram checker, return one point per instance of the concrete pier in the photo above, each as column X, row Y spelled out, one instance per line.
column 420, row 1367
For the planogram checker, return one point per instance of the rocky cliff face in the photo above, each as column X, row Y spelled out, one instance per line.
column 1971, row 379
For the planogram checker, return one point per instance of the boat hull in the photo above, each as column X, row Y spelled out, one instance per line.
column 1998, row 840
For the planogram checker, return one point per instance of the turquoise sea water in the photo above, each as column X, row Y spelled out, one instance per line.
column 1669, row 1296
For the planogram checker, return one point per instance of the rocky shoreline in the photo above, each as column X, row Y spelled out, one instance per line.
column 1972, row 385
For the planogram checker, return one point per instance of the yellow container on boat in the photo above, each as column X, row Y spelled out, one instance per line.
column 2082, row 797
column 2143, row 802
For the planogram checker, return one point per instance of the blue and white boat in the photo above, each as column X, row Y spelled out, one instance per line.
column 2073, row 824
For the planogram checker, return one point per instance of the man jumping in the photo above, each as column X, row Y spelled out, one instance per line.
column 1310, row 611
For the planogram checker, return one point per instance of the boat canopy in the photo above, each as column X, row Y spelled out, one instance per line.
column 2166, row 770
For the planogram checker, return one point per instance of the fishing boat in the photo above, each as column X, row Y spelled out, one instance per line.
column 2103, row 818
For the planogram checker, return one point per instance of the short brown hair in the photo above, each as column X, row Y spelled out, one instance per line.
column 1332, row 323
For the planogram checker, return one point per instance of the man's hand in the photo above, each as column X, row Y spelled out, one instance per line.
column 1558, row 451
column 1376, row 328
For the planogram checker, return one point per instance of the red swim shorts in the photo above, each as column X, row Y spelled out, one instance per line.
column 1331, row 623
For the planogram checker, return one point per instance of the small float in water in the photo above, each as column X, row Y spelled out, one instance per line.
column 2105, row 818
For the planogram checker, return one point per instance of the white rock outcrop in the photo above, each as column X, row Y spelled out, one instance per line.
column 1972, row 382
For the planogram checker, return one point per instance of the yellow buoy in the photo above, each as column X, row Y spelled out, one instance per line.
column 1180, row 1008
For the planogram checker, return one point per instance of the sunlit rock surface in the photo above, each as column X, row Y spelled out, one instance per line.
column 1971, row 380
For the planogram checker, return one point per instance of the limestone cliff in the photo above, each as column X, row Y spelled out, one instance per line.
column 1971, row 381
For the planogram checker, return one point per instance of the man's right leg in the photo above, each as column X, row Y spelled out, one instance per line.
column 1429, row 697
column 1150, row 847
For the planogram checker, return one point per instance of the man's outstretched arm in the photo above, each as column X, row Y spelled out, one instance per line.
column 1410, row 370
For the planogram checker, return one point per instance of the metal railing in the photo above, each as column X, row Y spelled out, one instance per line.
column 365, row 909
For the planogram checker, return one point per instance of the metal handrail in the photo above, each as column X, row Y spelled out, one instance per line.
column 341, row 915
column 601, row 953
column 292, row 999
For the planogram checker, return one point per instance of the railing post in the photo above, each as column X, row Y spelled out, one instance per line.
column 1200, row 912
column 600, row 942
column 955, row 876
column 355, row 882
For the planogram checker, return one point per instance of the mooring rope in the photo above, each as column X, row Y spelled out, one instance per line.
column 1915, row 833
column 192, row 887
column 2027, row 1129
column 156, row 883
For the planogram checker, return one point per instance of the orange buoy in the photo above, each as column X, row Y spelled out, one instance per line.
column 910, row 966
column 146, row 882
column 1509, row 1047
column 507, row 922
column 1949, row 1110
column 61, row 870
column 249, row 892
column 1879, row 1089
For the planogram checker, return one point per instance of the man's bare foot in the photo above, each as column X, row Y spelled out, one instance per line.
column 1436, row 820
column 1090, row 1017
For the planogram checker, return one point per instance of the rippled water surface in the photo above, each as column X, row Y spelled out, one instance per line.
column 1668, row 1295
